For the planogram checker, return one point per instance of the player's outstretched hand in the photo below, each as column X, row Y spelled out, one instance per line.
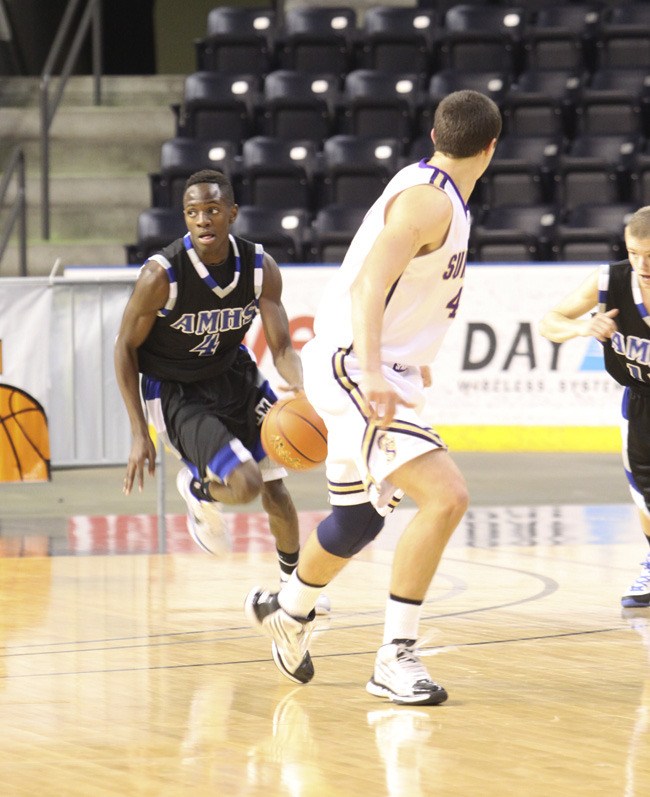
column 602, row 325
column 142, row 450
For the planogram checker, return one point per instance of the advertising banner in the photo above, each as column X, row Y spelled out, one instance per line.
column 495, row 367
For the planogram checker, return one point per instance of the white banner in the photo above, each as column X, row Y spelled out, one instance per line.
column 25, row 312
column 494, row 367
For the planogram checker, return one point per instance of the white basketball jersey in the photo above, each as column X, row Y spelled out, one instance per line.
column 422, row 303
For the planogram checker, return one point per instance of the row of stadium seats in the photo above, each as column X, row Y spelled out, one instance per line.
column 525, row 170
column 535, row 233
column 294, row 104
column 503, row 37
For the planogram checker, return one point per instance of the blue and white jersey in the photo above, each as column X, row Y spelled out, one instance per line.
column 423, row 302
column 627, row 352
column 198, row 332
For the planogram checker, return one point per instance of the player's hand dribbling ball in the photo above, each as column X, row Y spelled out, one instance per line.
column 293, row 434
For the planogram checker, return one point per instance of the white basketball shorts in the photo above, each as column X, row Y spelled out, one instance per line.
column 360, row 455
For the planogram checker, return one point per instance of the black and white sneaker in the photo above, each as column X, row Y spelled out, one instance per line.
column 400, row 676
column 290, row 635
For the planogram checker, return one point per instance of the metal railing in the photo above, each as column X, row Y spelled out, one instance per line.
column 91, row 16
column 18, row 212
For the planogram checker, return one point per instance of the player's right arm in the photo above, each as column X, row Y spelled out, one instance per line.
column 567, row 319
column 150, row 293
column 417, row 221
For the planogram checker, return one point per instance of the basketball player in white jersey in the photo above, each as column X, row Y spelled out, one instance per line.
column 378, row 327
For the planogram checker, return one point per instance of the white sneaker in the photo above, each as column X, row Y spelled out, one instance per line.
column 323, row 605
column 638, row 595
column 205, row 521
column 290, row 635
column 400, row 676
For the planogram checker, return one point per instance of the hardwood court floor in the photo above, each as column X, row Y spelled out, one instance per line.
column 136, row 673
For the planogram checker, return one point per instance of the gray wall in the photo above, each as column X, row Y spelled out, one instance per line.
column 177, row 25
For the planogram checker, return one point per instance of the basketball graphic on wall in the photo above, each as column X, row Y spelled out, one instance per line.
column 24, row 437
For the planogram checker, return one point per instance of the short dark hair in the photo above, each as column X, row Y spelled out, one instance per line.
column 465, row 122
column 638, row 225
column 212, row 176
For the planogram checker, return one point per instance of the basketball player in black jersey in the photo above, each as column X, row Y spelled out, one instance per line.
column 180, row 347
column 621, row 293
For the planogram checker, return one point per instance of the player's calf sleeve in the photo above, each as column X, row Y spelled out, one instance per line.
column 348, row 529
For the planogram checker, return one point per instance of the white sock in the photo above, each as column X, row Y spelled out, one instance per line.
column 402, row 620
column 298, row 598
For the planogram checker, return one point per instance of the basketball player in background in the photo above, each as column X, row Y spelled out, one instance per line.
column 620, row 292
column 380, row 323
column 182, row 331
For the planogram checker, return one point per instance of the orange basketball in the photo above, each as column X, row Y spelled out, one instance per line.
column 294, row 435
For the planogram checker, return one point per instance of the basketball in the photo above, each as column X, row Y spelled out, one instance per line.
column 294, row 435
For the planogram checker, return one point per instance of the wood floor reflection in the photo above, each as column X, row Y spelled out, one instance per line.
column 136, row 673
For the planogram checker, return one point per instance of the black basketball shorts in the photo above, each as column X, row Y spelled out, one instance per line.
column 635, row 430
column 214, row 424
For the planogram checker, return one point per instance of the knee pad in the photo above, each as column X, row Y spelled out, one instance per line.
column 348, row 529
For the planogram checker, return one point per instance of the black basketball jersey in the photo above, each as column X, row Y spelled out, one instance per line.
column 627, row 353
column 197, row 334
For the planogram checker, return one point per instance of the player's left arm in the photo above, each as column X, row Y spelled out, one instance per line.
column 276, row 326
column 568, row 319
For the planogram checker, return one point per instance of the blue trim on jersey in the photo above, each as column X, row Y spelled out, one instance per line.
column 259, row 264
column 603, row 288
column 632, row 482
column 435, row 171
column 443, row 182
column 193, row 470
column 224, row 462
column 152, row 388
column 208, row 278
column 642, row 311
column 267, row 391
column 171, row 277
column 258, row 451
column 625, row 404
